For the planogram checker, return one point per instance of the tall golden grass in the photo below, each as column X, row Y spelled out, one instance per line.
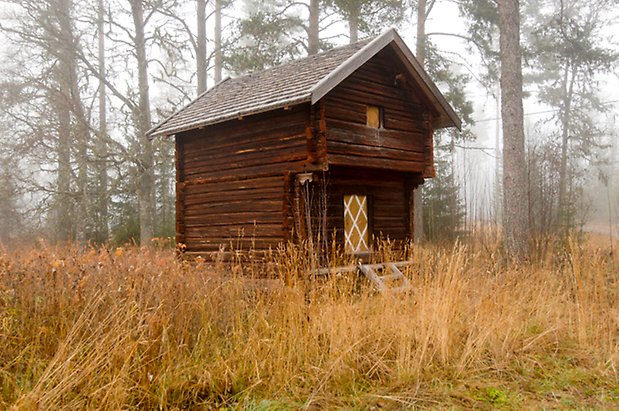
column 136, row 328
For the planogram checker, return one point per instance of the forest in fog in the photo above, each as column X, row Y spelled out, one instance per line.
column 82, row 82
column 492, row 285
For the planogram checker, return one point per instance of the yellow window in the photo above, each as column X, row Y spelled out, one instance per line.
column 356, row 224
column 374, row 117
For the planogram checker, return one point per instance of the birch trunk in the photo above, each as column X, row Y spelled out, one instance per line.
column 313, row 40
column 353, row 23
column 201, row 45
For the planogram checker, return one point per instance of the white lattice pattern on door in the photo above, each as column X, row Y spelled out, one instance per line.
column 356, row 232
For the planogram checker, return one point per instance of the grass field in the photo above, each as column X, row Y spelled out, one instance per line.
column 133, row 328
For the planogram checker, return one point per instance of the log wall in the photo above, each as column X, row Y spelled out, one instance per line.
column 232, row 180
column 237, row 181
column 404, row 143
column 388, row 194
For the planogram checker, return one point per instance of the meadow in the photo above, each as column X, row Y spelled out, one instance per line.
column 135, row 328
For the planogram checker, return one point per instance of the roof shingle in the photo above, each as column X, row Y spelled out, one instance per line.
column 280, row 86
column 304, row 80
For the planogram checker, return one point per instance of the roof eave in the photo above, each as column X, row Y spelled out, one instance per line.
column 446, row 122
column 430, row 88
column 152, row 133
column 222, row 119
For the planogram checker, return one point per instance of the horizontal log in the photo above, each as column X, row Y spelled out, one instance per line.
column 246, row 127
column 390, row 139
column 369, row 91
column 245, row 195
column 201, row 186
column 225, row 207
column 402, row 159
column 242, row 162
column 235, row 230
column 225, row 236
column 232, row 137
column 264, row 170
column 227, row 216
column 293, row 143
column 231, row 219
column 198, row 244
column 373, row 162
column 358, row 172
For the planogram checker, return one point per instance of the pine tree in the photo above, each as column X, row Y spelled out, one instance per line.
column 570, row 58
column 368, row 17
column 515, row 202
column 270, row 34
column 444, row 210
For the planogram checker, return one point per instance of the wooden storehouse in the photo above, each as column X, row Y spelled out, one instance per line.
column 331, row 144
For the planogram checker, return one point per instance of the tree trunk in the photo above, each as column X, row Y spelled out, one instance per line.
column 102, row 231
column 353, row 23
column 66, row 223
column 201, row 45
column 146, row 189
column 9, row 216
column 567, row 90
column 515, row 204
column 80, row 129
column 313, row 40
column 497, row 160
column 418, row 235
column 218, row 53
column 167, row 174
column 64, row 200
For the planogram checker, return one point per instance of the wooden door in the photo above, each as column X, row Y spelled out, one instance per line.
column 356, row 224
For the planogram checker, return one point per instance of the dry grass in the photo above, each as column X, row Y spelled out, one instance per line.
column 131, row 328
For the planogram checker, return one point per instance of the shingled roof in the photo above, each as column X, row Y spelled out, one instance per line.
column 304, row 80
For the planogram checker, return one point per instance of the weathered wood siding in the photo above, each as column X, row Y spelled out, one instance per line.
column 405, row 141
column 231, row 180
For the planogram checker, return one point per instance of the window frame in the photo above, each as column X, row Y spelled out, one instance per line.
column 380, row 113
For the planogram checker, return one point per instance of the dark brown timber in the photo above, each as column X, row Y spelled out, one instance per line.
column 256, row 181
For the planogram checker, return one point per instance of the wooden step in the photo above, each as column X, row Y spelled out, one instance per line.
column 374, row 273
column 390, row 276
column 370, row 271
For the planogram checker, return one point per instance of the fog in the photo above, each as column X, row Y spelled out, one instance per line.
column 77, row 101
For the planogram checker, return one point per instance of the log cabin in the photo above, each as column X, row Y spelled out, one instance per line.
column 329, row 146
